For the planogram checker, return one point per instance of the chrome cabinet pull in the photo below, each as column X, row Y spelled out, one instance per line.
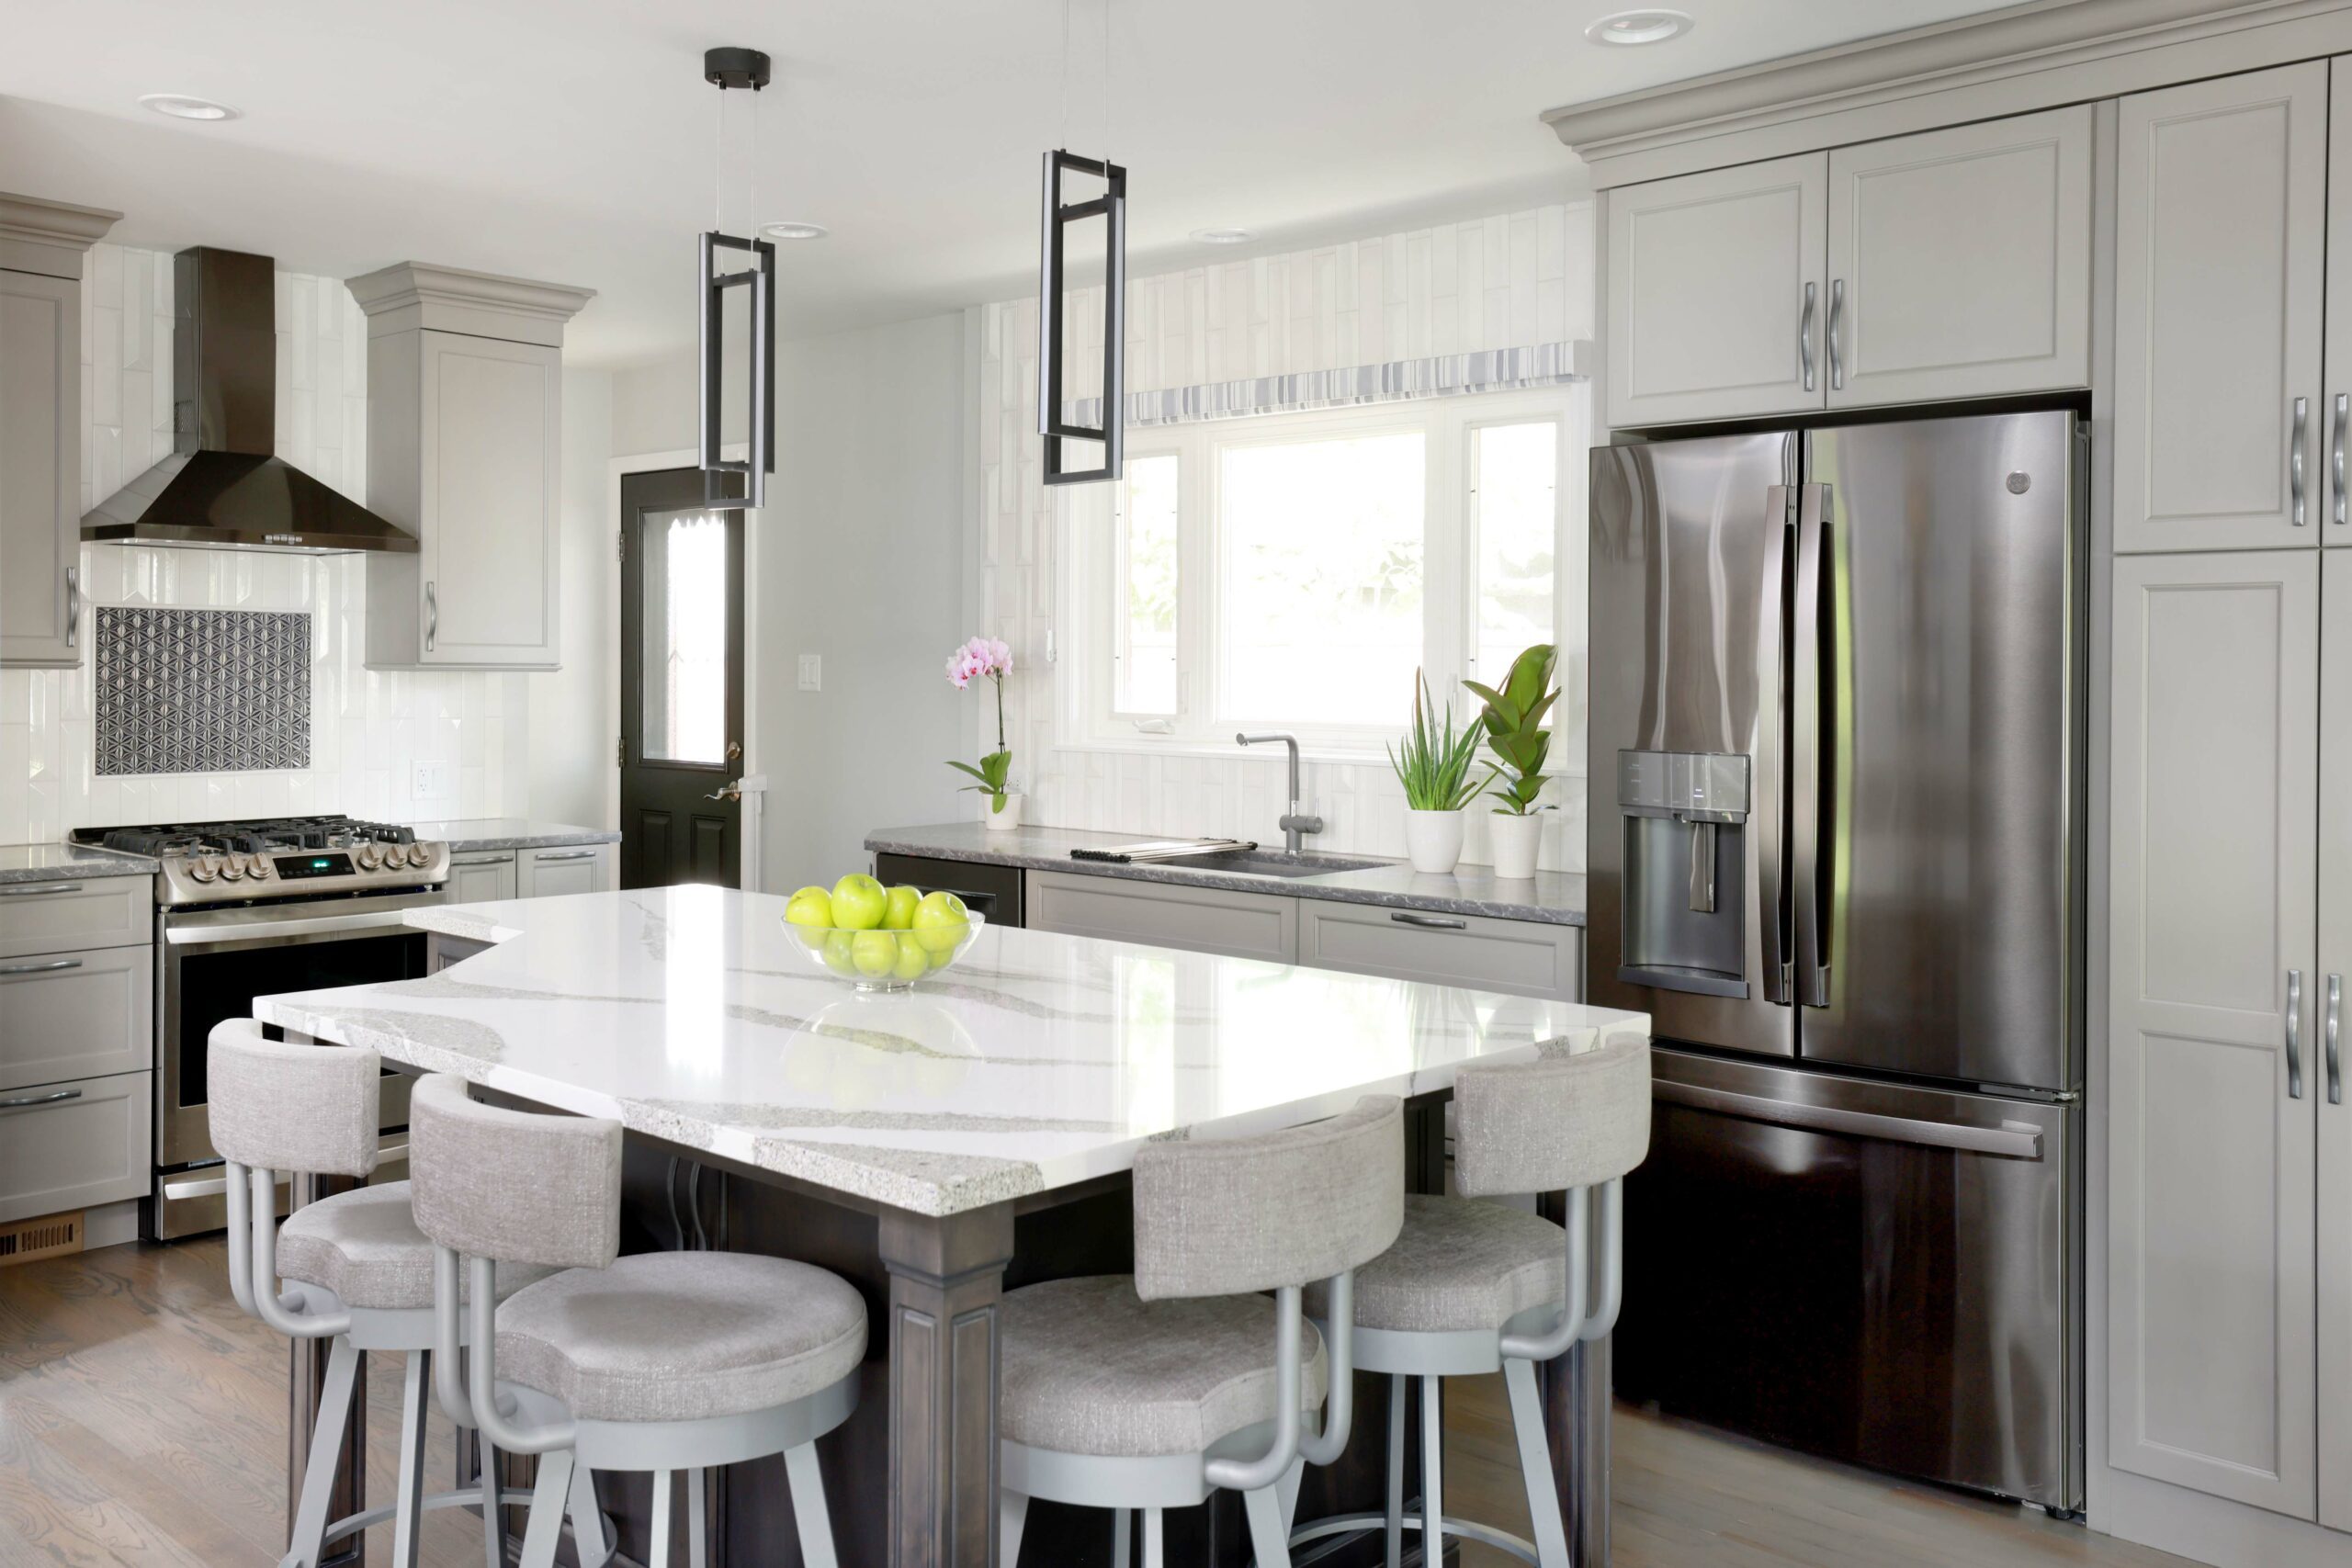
column 567, row 855
column 40, row 888
column 2335, row 1012
column 1428, row 922
column 1804, row 337
column 2335, row 449
column 49, row 966
column 2295, row 458
column 1836, row 351
column 73, row 604
column 432, row 618
column 2294, row 1034
column 24, row 1100
column 487, row 860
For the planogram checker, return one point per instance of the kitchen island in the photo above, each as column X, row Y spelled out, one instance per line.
column 935, row 1148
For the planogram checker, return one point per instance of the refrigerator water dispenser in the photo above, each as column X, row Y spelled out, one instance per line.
column 1686, row 820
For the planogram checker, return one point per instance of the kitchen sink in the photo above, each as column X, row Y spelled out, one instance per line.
column 1269, row 862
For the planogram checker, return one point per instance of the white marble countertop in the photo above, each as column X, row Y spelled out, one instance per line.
column 1039, row 1060
column 477, row 833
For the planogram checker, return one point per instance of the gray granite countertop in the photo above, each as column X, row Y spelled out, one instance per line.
column 511, row 833
column 67, row 862
column 1556, row 897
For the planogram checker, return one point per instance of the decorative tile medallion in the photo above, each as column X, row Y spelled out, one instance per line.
column 202, row 691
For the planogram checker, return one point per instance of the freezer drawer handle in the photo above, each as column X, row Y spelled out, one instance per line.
column 2016, row 1140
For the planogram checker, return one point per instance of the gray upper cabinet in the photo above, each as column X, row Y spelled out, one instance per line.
column 2221, row 203
column 2335, row 522
column 1716, row 293
column 41, row 247
column 465, row 429
column 2211, row 1229
column 1959, row 261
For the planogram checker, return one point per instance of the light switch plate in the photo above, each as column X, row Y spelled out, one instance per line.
column 812, row 673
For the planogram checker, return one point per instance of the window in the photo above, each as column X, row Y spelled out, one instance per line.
column 685, row 617
column 1292, row 572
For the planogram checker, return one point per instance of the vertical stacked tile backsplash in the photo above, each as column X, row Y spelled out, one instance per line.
column 370, row 729
column 1517, row 279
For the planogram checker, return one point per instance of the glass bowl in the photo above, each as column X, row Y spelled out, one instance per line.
column 884, row 961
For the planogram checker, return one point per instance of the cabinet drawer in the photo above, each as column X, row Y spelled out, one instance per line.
column 1201, row 920
column 582, row 868
column 1527, row 957
column 484, row 876
column 65, row 916
column 68, row 1145
column 75, row 1015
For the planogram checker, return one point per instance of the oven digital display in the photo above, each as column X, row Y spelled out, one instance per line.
column 293, row 868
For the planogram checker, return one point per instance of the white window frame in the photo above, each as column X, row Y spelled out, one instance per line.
column 1091, row 529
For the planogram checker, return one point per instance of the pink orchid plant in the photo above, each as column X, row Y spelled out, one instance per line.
column 988, row 657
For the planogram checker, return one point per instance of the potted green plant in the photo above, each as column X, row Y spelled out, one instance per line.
column 1434, row 764
column 1513, row 719
column 989, row 658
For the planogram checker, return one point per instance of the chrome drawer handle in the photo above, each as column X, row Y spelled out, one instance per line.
column 24, row 1100
column 494, row 859
column 39, row 888
column 50, row 967
column 1428, row 922
column 567, row 855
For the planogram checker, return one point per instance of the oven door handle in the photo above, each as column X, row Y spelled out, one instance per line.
column 2016, row 1140
column 198, row 933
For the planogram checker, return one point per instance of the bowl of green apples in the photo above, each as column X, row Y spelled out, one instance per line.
column 878, row 938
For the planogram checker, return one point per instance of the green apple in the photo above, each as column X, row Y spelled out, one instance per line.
column 812, row 906
column 858, row 902
column 940, row 922
column 876, row 953
column 914, row 959
column 898, row 912
column 839, row 954
column 943, row 958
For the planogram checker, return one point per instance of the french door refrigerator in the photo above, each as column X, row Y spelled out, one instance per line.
column 1834, row 852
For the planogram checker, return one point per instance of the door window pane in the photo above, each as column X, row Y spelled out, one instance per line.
column 685, row 619
column 1514, row 475
column 1146, row 654
column 1323, row 579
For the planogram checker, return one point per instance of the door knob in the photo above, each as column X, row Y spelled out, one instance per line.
column 731, row 791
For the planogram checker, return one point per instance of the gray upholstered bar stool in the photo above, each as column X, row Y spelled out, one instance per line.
column 662, row 1362
column 1153, row 1390
column 1475, row 1287
column 360, row 1272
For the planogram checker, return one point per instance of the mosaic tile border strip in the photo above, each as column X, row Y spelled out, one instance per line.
column 202, row 690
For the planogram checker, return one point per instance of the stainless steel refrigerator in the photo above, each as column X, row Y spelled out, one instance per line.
column 1835, row 853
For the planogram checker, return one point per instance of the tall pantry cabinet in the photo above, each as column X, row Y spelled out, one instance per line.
column 2229, row 930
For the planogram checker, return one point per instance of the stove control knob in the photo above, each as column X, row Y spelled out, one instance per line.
column 203, row 870
column 257, row 867
column 233, row 868
column 369, row 857
column 419, row 854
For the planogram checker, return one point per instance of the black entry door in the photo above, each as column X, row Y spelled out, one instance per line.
column 682, row 682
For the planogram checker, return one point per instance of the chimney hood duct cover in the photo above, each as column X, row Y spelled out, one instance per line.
column 221, row 486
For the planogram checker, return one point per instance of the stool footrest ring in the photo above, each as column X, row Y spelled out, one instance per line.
column 1468, row 1530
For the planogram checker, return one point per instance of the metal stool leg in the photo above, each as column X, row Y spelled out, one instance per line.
column 1286, row 1492
column 1011, row 1514
column 809, row 1512
column 408, row 1503
column 1121, row 1540
column 697, row 1529
column 1432, row 1483
column 1392, row 1530
column 660, row 1533
column 1155, row 1539
column 1267, row 1536
column 545, row 1527
column 326, row 1443
column 1535, row 1464
column 589, row 1536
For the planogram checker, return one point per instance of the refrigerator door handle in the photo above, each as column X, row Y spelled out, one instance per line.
column 1773, row 721
column 1809, row 815
column 2012, row 1140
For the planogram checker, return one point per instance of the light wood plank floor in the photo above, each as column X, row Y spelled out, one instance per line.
column 142, row 1421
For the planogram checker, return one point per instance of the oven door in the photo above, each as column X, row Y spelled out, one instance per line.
column 215, row 962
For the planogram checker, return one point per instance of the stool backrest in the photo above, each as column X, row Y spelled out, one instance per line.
column 1221, row 1217
column 292, row 1108
column 1568, row 1118
column 513, row 1186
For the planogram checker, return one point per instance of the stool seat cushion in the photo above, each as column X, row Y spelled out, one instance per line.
column 1459, row 1263
column 363, row 1245
column 1091, row 1368
column 682, row 1336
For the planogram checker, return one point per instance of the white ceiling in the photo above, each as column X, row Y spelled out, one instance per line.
column 574, row 139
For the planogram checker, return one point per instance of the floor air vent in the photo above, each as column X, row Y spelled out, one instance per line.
column 51, row 1236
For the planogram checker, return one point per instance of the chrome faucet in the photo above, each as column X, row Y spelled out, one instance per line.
column 1293, row 824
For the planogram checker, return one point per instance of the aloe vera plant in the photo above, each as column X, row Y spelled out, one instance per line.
column 1433, row 763
column 1513, row 719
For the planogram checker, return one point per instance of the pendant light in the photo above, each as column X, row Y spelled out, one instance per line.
column 1058, row 215
column 736, row 70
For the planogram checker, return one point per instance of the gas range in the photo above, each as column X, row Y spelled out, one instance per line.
column 276, row 858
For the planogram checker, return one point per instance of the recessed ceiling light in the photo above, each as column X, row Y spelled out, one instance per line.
column 1638, row 27
column 179, row 105
column 1223, row 236
column 794, row 231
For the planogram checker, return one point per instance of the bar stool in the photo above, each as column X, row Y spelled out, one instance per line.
column 1153, row 1390
column 360, row 1271
column 662, row 1361
column 1475, row 1287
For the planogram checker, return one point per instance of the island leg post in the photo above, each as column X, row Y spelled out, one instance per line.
column 946, row 1276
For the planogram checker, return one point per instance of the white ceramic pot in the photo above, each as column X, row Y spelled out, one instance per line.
column 1433, row 840
column 1517, row 839
column 1002, row 821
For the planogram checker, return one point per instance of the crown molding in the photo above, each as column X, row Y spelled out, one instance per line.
column 2035, row 55
column 409, row 296
column 49, row 237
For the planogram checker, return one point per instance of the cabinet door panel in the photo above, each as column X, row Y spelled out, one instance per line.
column 492, row 426
column 40, row 465
column 2335, row 460
column 1965, row 261
column 1707, row 281
column 2220, row 204
column 2331, row 1095
column 2210, row 1359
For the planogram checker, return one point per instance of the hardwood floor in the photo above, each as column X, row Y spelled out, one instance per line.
column 142, row 1420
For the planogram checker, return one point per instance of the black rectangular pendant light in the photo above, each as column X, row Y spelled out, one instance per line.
column 1111, row 207
column 760, row 278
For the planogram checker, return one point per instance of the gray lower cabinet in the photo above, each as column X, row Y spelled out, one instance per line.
column 579, row 868
column 75, row 1146
column 1203, row 919
column 74, row 1015
column 1522, row 956
column 64, row 917
column 483, row 877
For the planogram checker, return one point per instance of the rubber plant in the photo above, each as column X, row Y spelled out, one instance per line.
column 988, row 657
column 1513, row 719
column 1433, row 763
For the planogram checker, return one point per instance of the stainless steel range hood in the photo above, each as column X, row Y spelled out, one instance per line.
column 222, row 487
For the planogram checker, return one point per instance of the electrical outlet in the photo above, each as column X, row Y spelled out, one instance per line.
column 431, row 780
column 812, row 673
